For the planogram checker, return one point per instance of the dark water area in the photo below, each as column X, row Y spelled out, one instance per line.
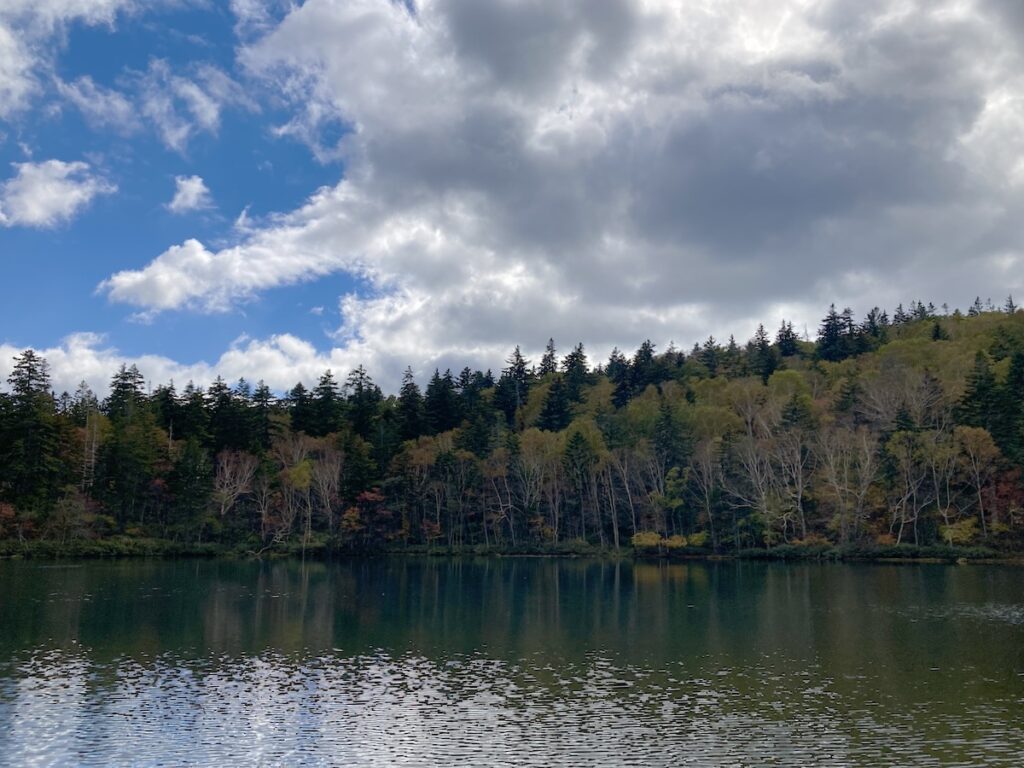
column 510, row 662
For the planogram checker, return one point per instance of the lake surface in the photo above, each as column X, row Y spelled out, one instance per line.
column 510, row 662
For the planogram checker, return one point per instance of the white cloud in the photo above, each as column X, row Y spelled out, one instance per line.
column 16, row 80
column 280, row 361
column 29, row 35
column 190, row 194
column 180, row 107
column 48, row 193
column 102, row 107
column 612, row 171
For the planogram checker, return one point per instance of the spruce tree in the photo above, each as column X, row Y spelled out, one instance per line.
column 555, row 415
column 549, row 362
column 786, row 340
column 980, row 402
column 576, row 373
column 411, row 422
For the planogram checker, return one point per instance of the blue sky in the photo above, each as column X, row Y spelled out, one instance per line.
column 243, row 164
column 433, row 183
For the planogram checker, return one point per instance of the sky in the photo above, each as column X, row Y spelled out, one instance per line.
column 269, row 189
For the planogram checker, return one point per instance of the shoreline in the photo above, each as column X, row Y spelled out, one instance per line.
column 120, row 548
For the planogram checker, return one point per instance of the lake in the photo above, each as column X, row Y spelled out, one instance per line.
column 510, row 662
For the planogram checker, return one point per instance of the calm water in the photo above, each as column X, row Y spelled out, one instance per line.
column 510, row 662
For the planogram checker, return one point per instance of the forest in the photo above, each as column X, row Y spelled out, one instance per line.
column 881, row 434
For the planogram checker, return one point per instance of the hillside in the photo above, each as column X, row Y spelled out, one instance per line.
column 879, row 433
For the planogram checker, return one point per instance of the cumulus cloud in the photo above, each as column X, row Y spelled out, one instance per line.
column 49, row 193
column 280, row 361
column 27, row 32
column 612, row 171
column 190, row 194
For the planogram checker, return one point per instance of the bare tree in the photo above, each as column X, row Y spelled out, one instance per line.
column 849, row 463
column 233, row 478
column 327, row 472
column 706, row 473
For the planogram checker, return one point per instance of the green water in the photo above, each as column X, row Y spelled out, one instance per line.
column 510, row 662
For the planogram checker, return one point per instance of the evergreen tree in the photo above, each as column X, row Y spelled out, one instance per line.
column 709, row 355
column 980, row 402
column 327, row 406
column 411, row 422
column 761, row 355
column 549, row 362
column 363, row 402
column 577, row 373
column 832, row 336
column 786, row 340
column 642, row 370
column 441, row 404
column 555, row 415
column 263, row 406
column 191, row 486
column 127, row 394
column 302, row 410
column 30, row 467
column 193, row 417
column 670, row 440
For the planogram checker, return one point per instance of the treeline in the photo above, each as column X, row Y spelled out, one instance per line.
column 880, row 432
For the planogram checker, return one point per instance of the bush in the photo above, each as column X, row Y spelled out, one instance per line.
column 698, row 540
column 647, row 540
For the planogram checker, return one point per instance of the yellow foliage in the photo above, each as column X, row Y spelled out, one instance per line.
column 646, row 540
column 960, row 533
column 698, row 539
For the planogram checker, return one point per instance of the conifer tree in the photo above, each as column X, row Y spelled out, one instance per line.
column 549, row 362
column 786, row 340
column 410, row 408
column 555, row 415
